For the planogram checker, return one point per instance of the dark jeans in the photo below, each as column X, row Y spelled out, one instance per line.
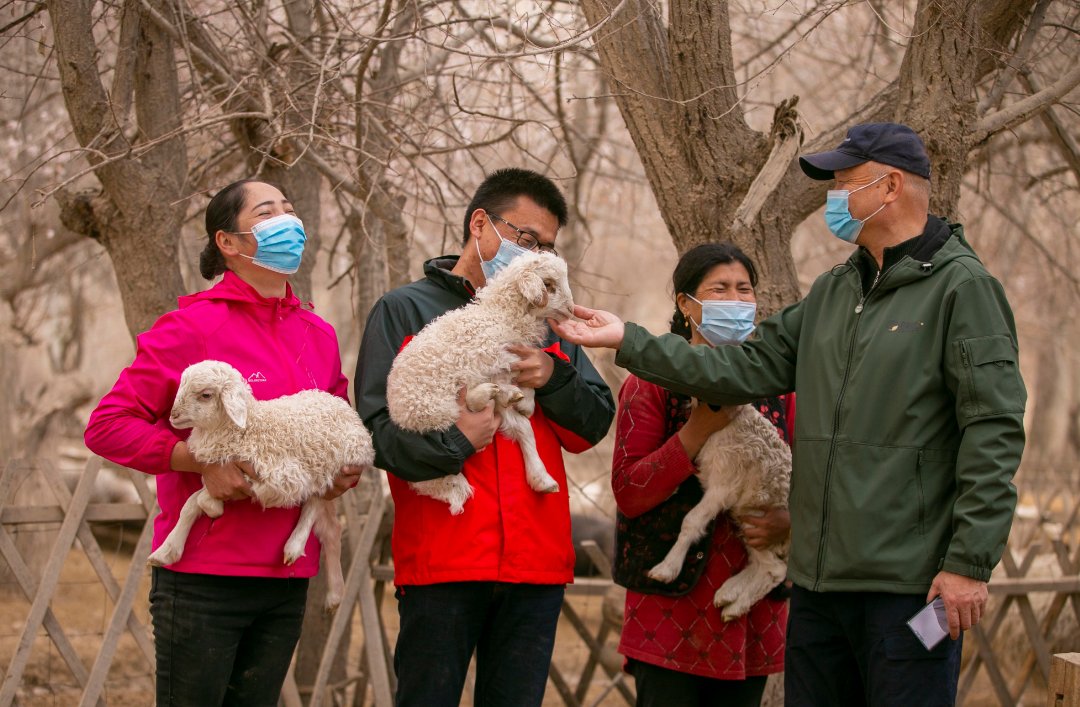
column 223, row 640
column 510, row 626
column 661, row 687
column 855, row 648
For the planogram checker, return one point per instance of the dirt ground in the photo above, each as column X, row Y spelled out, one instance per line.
column 82, row 607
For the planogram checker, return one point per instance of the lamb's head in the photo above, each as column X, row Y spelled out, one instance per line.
column 210, row 393
column 537, row 282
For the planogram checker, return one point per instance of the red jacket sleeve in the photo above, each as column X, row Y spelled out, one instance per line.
column 646, row 468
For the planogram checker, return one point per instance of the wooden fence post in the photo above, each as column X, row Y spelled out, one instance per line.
column 1064, row 687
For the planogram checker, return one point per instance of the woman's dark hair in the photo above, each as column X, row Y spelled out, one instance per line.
column 692, row 268
column 221, row 215
column 504, row 186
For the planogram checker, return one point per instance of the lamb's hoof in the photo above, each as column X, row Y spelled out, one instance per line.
column 515, row 397
column 163, row 557
column 543, row 483
column 332, row 603
column 457, row 509
column 663, row 573
column 292, row 554
column 732, row 607
column 733, row 611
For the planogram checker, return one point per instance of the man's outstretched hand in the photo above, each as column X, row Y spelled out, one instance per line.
column 593, row 328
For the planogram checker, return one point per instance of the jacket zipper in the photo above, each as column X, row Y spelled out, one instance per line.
column 878, row 278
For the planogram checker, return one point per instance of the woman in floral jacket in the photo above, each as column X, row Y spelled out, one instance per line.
column 678, row 647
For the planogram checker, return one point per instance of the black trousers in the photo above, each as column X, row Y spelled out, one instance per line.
column 855, row 649
column 223, row 640
column 661, row 687
column 510, row 627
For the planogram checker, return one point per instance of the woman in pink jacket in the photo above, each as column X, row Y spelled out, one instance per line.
column 227, row 615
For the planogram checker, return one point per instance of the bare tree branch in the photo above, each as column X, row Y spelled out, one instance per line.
column 1023, row 110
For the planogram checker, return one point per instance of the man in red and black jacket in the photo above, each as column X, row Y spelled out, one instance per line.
column 492, row 578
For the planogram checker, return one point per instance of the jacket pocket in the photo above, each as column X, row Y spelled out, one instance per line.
column 991, row 376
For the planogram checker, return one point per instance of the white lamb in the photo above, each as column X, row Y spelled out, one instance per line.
column 744, row 466
column 296, row 444
column 467, row 348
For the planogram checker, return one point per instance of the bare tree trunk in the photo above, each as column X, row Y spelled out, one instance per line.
column 138, row 212
column 675, row 87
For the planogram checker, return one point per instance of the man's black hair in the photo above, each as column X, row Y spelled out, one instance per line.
column 502, row 188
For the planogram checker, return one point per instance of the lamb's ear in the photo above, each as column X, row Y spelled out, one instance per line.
column 235, row 403
column 531, row 287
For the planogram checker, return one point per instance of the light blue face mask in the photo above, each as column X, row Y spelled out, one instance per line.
column 280, row 243
column 838, row 215
column 725, row 321
column 503, row 257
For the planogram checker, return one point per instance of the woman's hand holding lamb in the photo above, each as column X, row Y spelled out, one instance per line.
column 534, row 369
column 347, row 478
column 226, row 482
column 765, row 527
column 479, row 426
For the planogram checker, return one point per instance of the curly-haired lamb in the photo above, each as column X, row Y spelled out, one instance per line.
column 745, row 465
column 296, row 444
column 467, row 348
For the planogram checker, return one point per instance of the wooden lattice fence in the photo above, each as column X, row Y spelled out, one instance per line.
column 1012, row 667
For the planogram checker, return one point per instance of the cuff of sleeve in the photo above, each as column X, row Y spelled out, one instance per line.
column 459, row 443
column 168, row 442
column 624, row 356
column 974, row 571
column 561, row 375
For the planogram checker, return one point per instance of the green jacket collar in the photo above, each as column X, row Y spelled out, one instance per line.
column 940, row 243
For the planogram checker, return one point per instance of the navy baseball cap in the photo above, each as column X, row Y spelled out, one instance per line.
column 888, row 143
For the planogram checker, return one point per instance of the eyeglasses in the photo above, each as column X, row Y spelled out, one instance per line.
column 524, row 239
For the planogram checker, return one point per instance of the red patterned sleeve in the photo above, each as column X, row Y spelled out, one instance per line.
column 646, row 468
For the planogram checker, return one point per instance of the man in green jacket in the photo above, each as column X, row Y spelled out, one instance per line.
column 908, row 433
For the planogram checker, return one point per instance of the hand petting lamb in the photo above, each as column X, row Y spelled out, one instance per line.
column 744, row 466
column 296, row 444
column 467, row 348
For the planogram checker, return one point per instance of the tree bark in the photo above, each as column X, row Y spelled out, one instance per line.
column 675, row 87
column 138, row 212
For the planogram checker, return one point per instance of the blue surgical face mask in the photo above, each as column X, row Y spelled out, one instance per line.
column 503, row 257
column 838, row 216
column 280, row 243
column 725, row 321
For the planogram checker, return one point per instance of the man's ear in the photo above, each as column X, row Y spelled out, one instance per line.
column 476, row 223
column 531, row 287
column 896, row 185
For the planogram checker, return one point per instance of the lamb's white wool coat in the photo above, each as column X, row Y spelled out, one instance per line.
column 296, row 445
column 467, row 348
column 744, row 466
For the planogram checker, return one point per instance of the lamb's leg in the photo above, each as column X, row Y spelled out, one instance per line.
column 477, row 397
column 764, row 570
column 172, row 549
column 518, row 429
column 693, row 528
column 453, row 489
column 328, row 531
column 513, row 396
column 294, row 546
